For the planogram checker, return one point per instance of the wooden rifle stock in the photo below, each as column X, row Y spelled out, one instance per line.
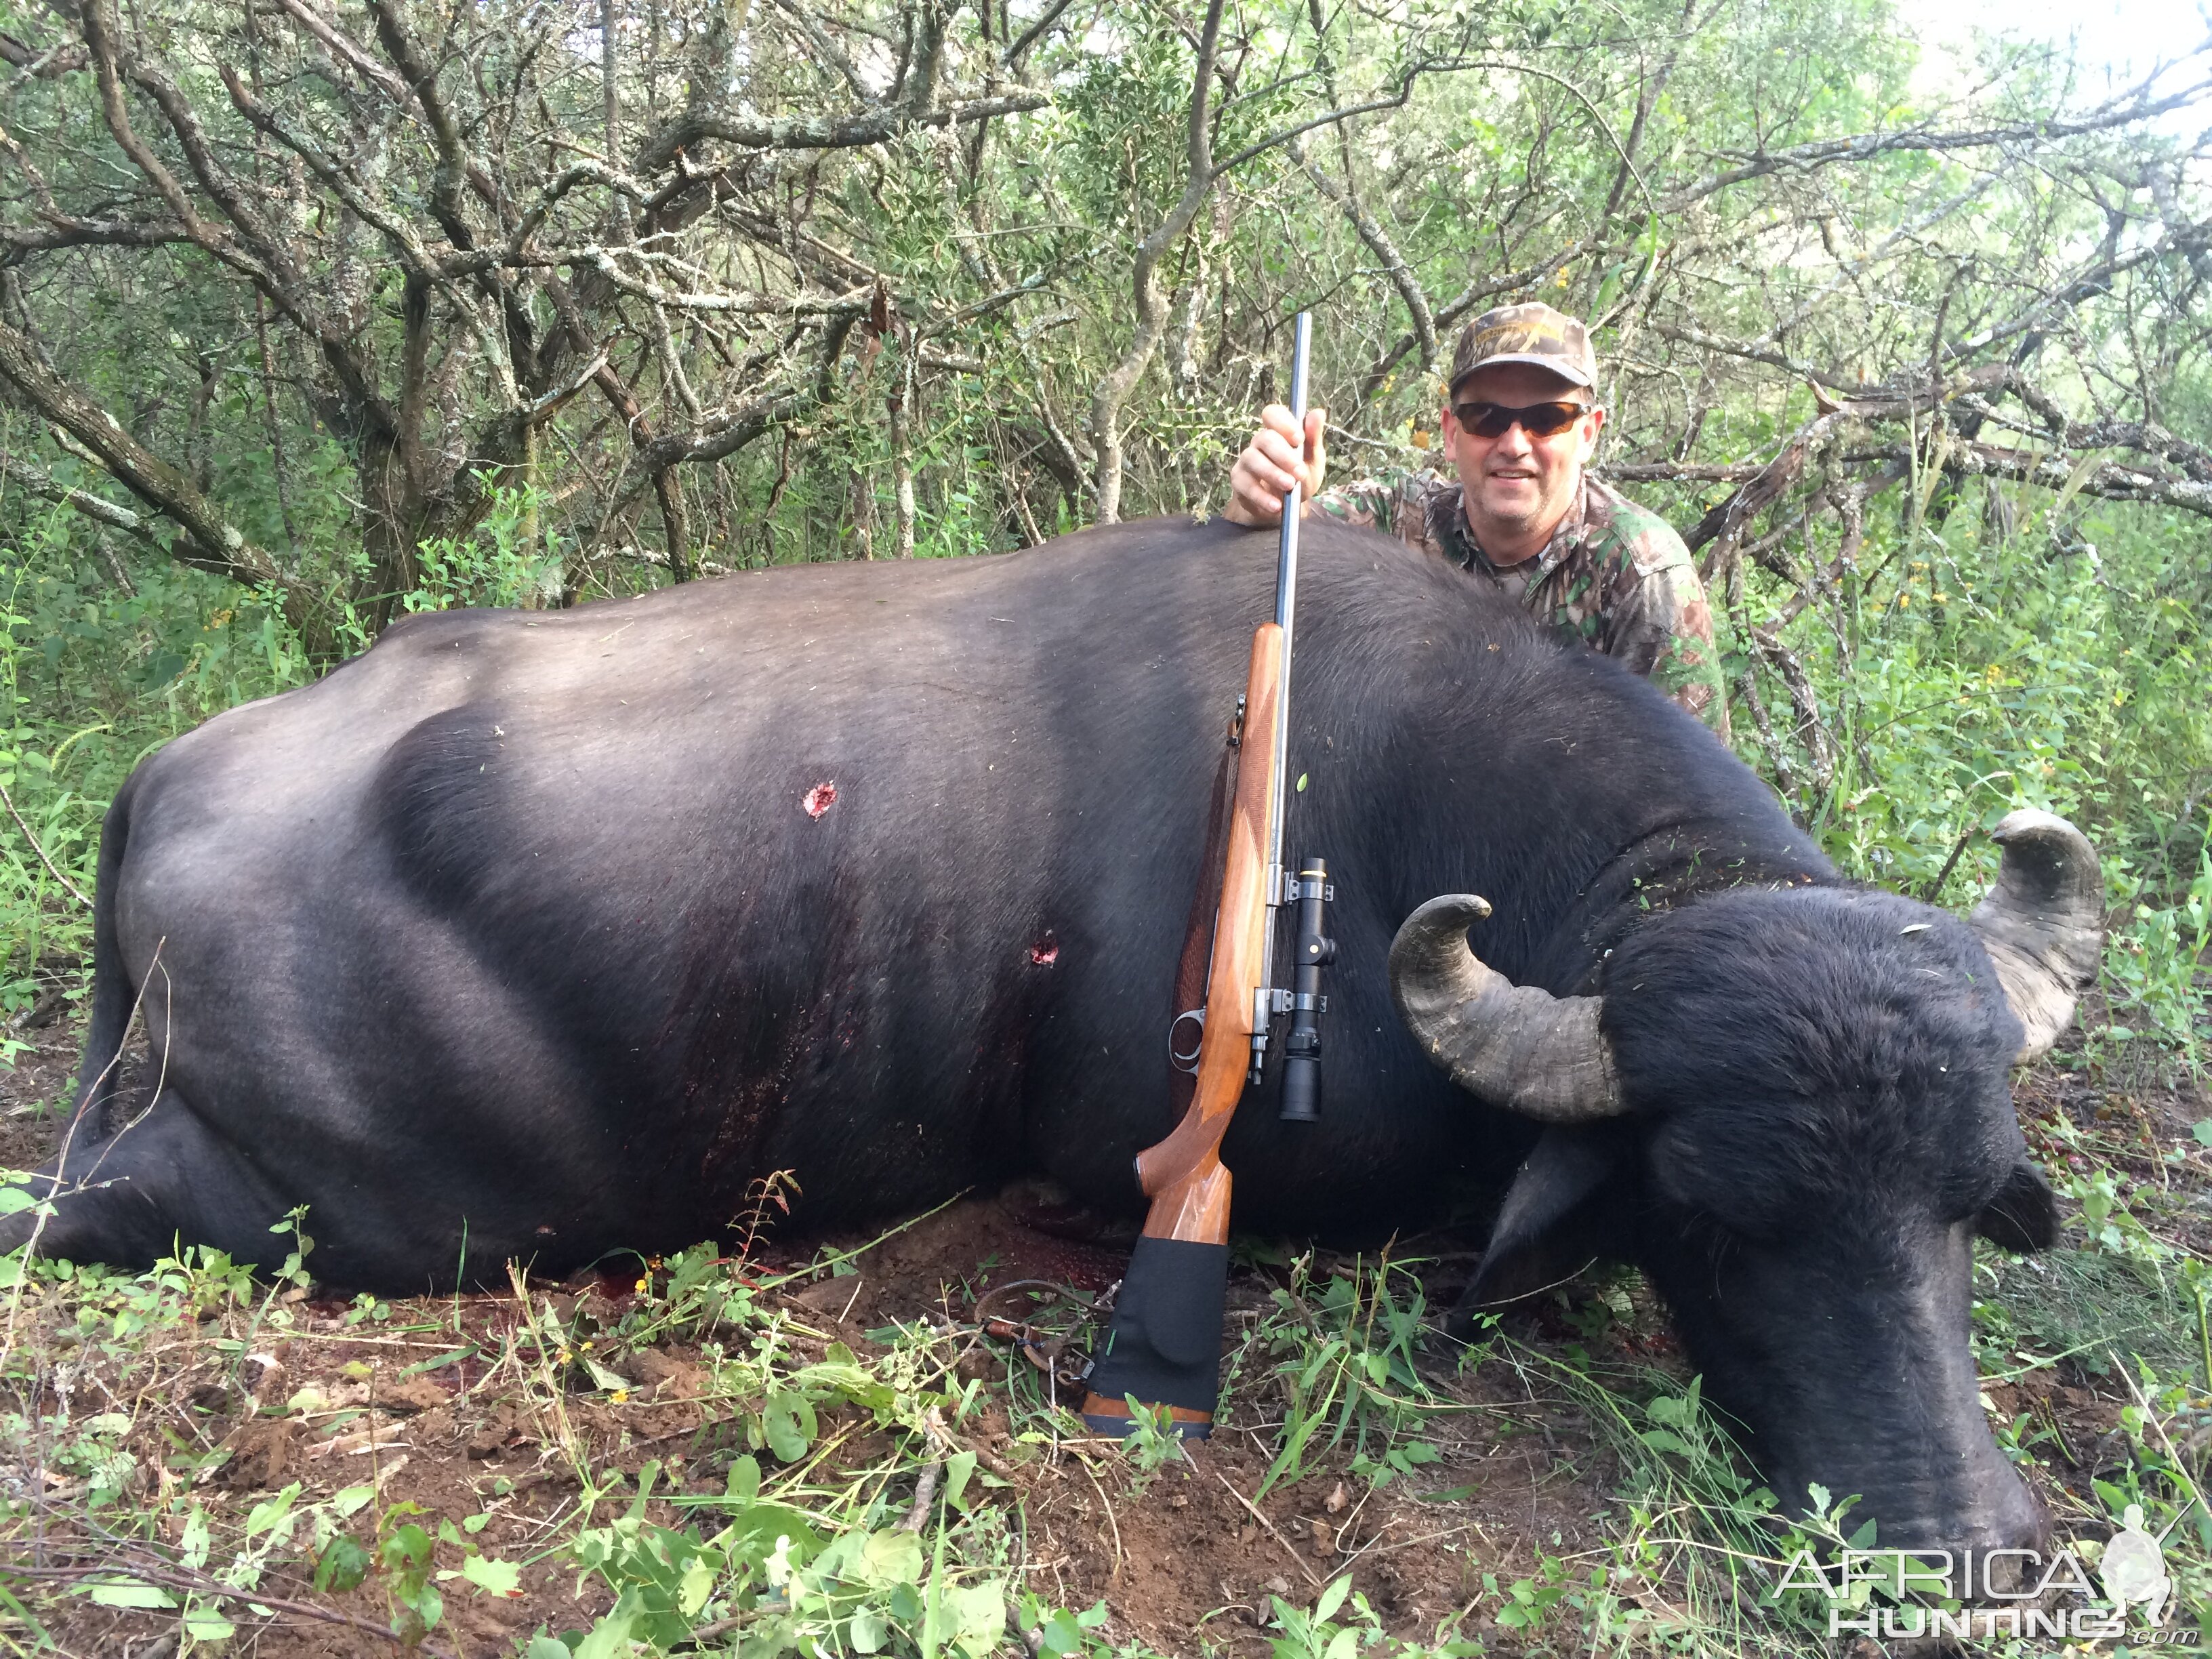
column 1164, row 1346
column 1183, row 1175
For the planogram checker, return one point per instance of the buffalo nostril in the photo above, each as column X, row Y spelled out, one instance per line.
column 2001, row 1548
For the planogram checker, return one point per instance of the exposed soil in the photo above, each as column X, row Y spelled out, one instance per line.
column 1188, row 1551
column 39, row 1088
column 1519, row 1472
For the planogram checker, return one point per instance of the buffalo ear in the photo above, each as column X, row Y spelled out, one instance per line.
column 1551, row 1224
column 2023, row 1217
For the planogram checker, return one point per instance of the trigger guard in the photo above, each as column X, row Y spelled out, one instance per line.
column 1176, row 1058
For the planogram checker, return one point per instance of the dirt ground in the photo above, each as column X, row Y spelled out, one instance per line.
column 1521, row 1470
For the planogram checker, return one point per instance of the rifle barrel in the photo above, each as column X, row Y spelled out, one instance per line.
column 1286, row 599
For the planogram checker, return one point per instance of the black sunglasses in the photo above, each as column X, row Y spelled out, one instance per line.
column 1537, row 420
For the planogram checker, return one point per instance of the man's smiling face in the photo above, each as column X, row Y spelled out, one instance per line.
column 1519, row 485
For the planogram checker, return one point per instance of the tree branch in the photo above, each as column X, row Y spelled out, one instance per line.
column 343, row 46
column 66, row 58
column 213, row 543
column 1865, row 147
column 100, row 511
column 821, row 132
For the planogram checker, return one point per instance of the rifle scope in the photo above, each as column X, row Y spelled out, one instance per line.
column 1302, row 1050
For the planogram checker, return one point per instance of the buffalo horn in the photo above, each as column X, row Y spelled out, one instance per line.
column 2043, row 923
column 1515, row 1046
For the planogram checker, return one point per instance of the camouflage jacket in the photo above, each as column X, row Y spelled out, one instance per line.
column 1614, row 576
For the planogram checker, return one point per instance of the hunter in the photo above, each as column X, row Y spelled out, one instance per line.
column 1521, row 418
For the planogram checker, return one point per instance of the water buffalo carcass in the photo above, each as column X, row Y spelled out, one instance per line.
column 540, row 934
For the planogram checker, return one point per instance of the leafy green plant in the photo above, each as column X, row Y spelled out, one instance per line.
column 2111, row 1225
column 511, row 558
column 1059, row 1632
column 1317, row 1633
column 2154, row 963
column 781, row 1579
column 405, row 1557
column 1345, row 1362
column 1151, row 1444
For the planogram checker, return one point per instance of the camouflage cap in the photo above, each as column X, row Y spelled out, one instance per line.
column 1532, row 333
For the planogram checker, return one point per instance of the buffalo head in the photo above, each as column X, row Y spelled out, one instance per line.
column 1791, row 1107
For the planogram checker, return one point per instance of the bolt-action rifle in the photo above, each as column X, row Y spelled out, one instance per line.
column 1164, row 1347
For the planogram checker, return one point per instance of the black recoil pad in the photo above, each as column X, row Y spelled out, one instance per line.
column 1165, row 1345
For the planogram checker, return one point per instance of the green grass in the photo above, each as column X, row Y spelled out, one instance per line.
column 794, row 1542
column 852, row 1499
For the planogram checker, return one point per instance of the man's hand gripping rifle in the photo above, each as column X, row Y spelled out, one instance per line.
column 1164, row 1346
